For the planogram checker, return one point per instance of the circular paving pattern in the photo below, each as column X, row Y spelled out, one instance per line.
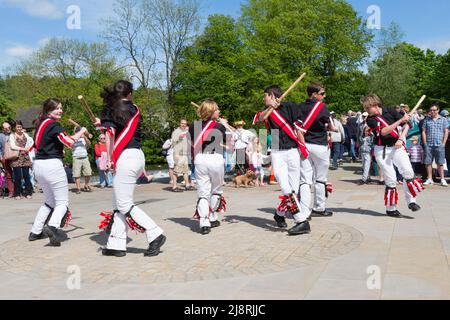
column 243, row 246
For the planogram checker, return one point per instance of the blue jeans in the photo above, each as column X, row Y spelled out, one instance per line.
column 353, row 148
column 337, row 149
column 106, row 179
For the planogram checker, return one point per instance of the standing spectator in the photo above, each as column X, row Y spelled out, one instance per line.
column 242, row 139
column 256, row 160
column 352, row 124
column 366, row 147
column 4, row 137
column 337, row 138
column 445, row 114
column 347, row 143
column 101, row 159
column 168, row 153
column 416, row 155
column 180, row 155
column 435, row 135
column 21, row 142
column 81, row 164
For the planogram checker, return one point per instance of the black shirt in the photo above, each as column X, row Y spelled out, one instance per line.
column 109, row 122
column 390, row 115
column 317, row 133
column 50, row 146
column 289, row 111
column 213, row 142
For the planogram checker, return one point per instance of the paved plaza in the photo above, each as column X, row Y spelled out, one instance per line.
column 359, row 253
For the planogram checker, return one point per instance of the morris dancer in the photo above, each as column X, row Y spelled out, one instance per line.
column 314, row 122
column 50, row 139
column 390, row 150
column 208, row 140
column 286, row 148
column 122, row 120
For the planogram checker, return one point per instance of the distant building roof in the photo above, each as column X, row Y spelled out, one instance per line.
column 27, row 116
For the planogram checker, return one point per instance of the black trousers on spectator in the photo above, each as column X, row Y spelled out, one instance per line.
column 19, row 174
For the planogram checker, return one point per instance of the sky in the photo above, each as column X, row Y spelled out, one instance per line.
column 28, row 24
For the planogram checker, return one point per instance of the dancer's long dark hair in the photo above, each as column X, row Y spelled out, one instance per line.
column 111, row 96
column 48, row 106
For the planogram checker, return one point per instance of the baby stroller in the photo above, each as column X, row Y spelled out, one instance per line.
column 3, row 183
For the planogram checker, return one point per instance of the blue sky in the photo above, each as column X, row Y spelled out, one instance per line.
column 27, row 24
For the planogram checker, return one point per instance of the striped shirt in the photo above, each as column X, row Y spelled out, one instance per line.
column 416, row 154
column 435, row 130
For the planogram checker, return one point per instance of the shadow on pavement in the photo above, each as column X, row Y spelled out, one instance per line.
column 255, row 221
column 365, row 212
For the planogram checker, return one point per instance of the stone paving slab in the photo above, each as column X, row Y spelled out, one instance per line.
column 246, row 258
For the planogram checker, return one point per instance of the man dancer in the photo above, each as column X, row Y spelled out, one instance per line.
column 286, row 143
column 314, row 121
column 390, row 150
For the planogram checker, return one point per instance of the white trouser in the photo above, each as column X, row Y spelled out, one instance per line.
column 209, row 172
column 286, row 165
column 129, row 167
column 366, row 162
column 53, row 180
column 399, row 158
column 314, row 170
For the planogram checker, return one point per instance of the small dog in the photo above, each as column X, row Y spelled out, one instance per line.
column 246, row 180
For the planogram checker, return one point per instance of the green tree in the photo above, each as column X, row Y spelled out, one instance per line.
column 440, row 88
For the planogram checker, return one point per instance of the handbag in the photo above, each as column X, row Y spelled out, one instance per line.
column 10, row 154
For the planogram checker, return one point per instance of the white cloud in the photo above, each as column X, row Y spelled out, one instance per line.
column 19, row 51
column 440, row 46
column 37, row 8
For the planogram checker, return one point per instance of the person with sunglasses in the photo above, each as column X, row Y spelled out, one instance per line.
column 435, row 135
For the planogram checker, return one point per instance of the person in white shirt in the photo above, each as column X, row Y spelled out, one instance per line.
column 337, row 138
column 81, row 163
column 241, row 138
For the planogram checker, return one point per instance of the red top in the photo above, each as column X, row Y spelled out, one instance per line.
column 99, row 148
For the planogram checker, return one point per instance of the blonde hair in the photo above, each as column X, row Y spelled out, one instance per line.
column 207, row 109
column 371, row 100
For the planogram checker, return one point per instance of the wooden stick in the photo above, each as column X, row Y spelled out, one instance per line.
column 292, row 87
column 74, row 123
column 195, row 105
column 87, row 108
column 418, row 104
column 90, row 136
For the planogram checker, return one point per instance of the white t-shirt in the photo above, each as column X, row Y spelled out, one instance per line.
column 79, row 149
column 242, row 138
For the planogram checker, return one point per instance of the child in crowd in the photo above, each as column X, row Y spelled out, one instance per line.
column 416, row 155
column 257, row 162
column 366, row 155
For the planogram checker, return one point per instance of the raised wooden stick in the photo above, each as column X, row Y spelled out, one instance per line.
column 195, row 105
column 87, row 108
column 292, row 87
column 90, row 136
column 418, row 104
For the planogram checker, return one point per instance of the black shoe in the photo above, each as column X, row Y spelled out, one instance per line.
column 333, row 168
column 215, row 224
column 114, row 253
column 361, row 182
column 51, row 233
column 35, row 237
column 206, row 230
column 326, row 213
column 281, row 221
column 414, row 207
column 155, row 246
column 394, row 214
column 300, row 228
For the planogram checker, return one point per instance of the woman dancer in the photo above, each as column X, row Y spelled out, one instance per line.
column 122, row 120
column 50, row 139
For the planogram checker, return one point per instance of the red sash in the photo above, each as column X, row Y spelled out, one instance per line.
column 287, row 128
column 40, row 132
column 255, row 120
column 384, row 124
column 202, row 137
column 312, row 116
column 125, row 136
